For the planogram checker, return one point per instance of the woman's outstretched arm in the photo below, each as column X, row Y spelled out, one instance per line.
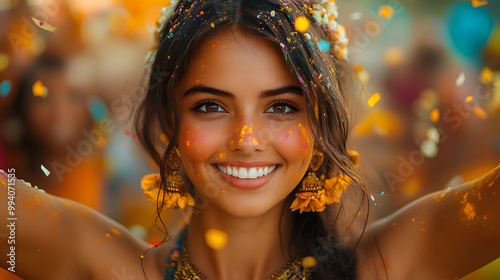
column 36, row 232
column 443, row 235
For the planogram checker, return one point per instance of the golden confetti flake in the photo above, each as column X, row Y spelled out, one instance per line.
column 358, row 68
column 478, row 3
column 468, row 99
column 435, row 115
column 115, row 231
column 480, row 112
column 373, row 99
column 4, row 61
column 309, row 262
column 44, row 25
column 460, row 80
column 101, row 142
column 212, row 25
column 386, row 12
column 216, row 239
column 393, row 56
column 301, row 24
column 38, row 88
column 486, row 75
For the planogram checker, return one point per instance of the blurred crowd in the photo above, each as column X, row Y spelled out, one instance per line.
column 426, row 101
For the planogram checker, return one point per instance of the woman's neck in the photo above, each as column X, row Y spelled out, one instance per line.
column 253, row 249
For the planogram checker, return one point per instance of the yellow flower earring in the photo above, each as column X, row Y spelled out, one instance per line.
column 316, row 193
column 175, row 195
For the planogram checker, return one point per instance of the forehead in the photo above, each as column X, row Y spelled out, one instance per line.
column 233, row 60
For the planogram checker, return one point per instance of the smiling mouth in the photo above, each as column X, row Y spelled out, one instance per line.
column 247, row 172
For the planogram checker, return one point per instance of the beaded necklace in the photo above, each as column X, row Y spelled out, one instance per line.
column 179, row 266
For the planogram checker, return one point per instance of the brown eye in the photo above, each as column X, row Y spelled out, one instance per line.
column 209, row 107
column 280, row 108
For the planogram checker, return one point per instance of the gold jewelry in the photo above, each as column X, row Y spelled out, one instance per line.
column 175, row 195
column 179, row 266
column 316, row 193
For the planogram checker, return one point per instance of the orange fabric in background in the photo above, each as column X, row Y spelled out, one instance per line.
column 85, row 184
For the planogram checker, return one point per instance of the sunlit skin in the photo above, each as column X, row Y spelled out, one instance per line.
column 242, row 125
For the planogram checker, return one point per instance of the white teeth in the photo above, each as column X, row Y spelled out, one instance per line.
column 242, row 173
column 246, row 173
column 252, row 173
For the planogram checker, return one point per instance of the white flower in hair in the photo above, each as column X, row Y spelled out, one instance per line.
column 166, row 13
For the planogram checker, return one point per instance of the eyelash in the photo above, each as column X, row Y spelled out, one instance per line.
column 198, row 105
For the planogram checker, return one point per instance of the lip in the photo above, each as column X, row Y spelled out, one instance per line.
column 246, row 184
column 246, row 163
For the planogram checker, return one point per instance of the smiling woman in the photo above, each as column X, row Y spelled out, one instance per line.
column 246, row 115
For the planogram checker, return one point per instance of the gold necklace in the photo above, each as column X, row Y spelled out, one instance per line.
column 179, row 265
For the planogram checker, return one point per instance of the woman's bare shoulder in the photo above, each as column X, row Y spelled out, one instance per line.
column 84, row 243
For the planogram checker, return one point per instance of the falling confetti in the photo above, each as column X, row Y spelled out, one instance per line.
column 101, row 142
column 273, row 13
column 212, row 25
column 429, row 148
column 486, row 75
column 460, row 80
column 4, row 61
column 373, row 99
column 127, row 132
column 44, row 25
column 468, row 99
column 39, row 89
column 371, row 196
column 393, row 56
column 358, row 68
column 216, row 239
column 381, row 193
column 478, row 3
column 323, row 45
column 356, row 15
column 480, row 112
column 47, row 172
column 386, row 12
column 435, row 115
column 5, row 88
column 301, row 24
column 309, row 262
column 97, row 109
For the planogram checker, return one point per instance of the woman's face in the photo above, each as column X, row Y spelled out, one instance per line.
column 242, row 110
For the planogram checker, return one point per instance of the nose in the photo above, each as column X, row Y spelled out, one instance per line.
column 247, row 140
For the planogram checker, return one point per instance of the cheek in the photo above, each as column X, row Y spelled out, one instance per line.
column 293, row 142
column 199, row 142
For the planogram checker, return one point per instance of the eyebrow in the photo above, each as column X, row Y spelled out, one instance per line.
column 267, row 93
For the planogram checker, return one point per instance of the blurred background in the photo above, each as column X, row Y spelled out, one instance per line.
column 427, row 104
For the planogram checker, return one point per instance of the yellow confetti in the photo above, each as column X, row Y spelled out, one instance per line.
column 309, row 262
column 4, row 61
column 478, row 3
column 386, row 12
column 486, row 75
column 44, row 25
column 480, row 112
column 460, row 80
column 301, row 24
column 38, row 88
column 115, row 231
column 216, row 239
column 393, row 56
column 435, row 115
column 468, row 99
column 101, row 142
column 373, row 99
column 358, row 68
column 212, row 25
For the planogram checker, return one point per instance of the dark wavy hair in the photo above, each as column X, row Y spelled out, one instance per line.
column 325, row 80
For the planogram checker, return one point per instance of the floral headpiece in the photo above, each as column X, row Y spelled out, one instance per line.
column 323, row 11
